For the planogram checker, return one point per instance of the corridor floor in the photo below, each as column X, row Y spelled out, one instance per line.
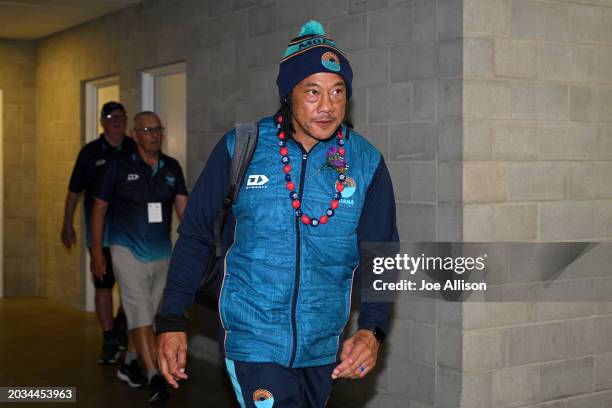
column 45, row 343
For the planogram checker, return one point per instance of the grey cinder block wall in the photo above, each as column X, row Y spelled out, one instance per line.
column 537, row 136
column 17, row 82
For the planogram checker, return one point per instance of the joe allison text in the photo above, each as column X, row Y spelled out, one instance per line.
column 423, row 285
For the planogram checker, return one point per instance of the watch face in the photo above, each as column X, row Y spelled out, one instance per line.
column 379, row 334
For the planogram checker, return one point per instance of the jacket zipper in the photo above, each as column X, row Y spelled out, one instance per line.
column 296, row 286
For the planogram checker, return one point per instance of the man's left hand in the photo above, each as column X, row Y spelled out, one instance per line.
column 358, row 356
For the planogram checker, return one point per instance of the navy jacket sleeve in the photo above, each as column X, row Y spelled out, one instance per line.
column 196, row 240
column 377, row 224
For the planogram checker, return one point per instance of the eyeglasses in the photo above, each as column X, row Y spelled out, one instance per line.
column 151, row 130
column 115, row 117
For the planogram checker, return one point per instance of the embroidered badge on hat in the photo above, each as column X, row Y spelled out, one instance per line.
column 263, row 398
column 330, row 61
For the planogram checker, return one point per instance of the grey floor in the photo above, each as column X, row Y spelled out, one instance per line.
column 45, row 343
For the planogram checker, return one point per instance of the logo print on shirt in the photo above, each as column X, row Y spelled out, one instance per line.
column 170, row 180
column 263, row 398
column 132, row 177
column 257, row 181
column 100, row 162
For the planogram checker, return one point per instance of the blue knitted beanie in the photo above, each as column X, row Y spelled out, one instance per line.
column 311, row 52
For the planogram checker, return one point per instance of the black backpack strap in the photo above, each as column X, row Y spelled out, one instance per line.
column 244, row 147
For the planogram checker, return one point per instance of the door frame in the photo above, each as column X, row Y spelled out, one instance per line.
column 148, row 75
column 147, row 103
column 92, row 110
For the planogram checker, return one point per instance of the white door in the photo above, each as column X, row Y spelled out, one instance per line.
column 164, row 91
column 97, row 93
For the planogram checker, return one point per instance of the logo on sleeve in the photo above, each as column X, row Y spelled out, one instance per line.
column 132, row 177
column 170, row 180
column 257, row 181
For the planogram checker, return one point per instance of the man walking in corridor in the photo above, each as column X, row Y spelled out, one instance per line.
column 139, row 191
column 316, row 190
column 90, row 165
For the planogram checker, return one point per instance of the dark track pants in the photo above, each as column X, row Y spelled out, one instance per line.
column 268, row 385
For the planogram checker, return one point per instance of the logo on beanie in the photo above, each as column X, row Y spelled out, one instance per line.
column 331, row 61
column 263, row 398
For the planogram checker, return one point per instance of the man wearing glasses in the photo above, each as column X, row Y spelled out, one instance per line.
column 139, row 190
column 90, row 165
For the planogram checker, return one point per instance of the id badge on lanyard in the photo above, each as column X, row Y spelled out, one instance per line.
column 155, row 212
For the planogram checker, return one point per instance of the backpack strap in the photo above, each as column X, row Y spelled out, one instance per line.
column 244, row 147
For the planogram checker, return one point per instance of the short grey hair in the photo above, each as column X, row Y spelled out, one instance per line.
column 144, row 113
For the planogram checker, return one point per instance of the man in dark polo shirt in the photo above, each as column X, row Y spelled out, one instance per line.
column 139, row 191
column 90, row 165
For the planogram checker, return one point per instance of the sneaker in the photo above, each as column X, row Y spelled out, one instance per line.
column 158, row 389
column 110, row 350
column 131, row 374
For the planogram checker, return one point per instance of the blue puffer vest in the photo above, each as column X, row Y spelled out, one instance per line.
column 286, row 291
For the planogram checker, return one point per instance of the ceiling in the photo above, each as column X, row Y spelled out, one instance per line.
column 31, row 19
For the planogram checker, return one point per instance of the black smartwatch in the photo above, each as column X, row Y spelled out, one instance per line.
column 379, row 334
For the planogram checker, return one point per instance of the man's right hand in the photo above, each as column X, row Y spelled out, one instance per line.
column 68, row 236
column 172, row 356
column 98, row 263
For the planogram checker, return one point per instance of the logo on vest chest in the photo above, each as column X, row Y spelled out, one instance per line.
column 257, row 181
column 350, row 186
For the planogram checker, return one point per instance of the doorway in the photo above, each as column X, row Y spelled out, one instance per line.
column 164, row 91
column 97, row 93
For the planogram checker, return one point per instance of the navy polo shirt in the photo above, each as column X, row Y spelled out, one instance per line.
column 130, row 186
column 90, row 166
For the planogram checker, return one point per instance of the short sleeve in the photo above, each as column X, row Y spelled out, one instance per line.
column 78, row 178
column 106, row 185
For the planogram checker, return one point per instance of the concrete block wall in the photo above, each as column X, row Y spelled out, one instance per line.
column 537, row 89
column 537, row 77
column 17, row 81
column 536, row 354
